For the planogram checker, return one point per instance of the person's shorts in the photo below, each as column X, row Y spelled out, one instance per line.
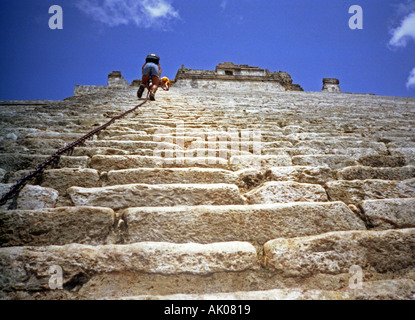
column 151, row 69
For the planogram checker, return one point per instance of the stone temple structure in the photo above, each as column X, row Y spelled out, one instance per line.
column 237, row 76
column 210, row 194
column 331, row 85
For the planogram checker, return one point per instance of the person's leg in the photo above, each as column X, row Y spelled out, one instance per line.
column 154, row 87
column 156, row 83
column 144, row 81
column 144, row 84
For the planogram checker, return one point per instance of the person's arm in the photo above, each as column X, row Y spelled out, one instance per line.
column 159, row 71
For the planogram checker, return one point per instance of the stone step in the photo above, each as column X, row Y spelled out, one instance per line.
column 401, row 289
column 357, row 152
column 302, row 174
column 290, row 151
column 15, row 162
column 277, row 144
column 131, row 145
column 40, row 144
column 252, row 223
column 30, row 198
column 296, row 138
column 171, row 176
column 354, row 191
column 44, row 135
column 363, row 173
column 193, row 153
column 92, row 151
column 56, row 226
column 328, row 160
column 118, row 162
column 382, row 161
column 375, row 253
column 121, row 127
column 249, row 146
column 141, row 195
column 389, row 213
column 407, row 153
column 286, row 191
column 258, row 161
column 400, row 143
column 29, row 267
column 120, row 132
column 62, row 179
column 128, row 137
column 345, row 143
column 107, row 163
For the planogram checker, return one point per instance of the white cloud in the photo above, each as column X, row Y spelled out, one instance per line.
column 143, row 13
column 404, row 32
column 411, row 79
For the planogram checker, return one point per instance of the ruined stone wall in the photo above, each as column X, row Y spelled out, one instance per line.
column 116, row 80
column 243, row 77
column 228, row 84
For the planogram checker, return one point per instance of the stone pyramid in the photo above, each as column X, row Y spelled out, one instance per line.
column 210, row 194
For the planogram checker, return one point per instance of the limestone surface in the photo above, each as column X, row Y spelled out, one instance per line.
column 19, row 265
column 136, row 195
column 335, row 253
column 222, row 188
column 390, row 213
column 254, row 223
column 286, row 191
column 58, row 226
column 31, row 197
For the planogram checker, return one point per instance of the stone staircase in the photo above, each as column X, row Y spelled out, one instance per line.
column 180, row 200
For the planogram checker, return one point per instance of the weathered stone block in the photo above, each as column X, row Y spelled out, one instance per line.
column 15, row 162
column 90, row 152
column 253, row 223
column 407, row 153
column 335, row 252
column 330, row 161
column 169, row 176
column 28, row 267
column 56, row 226
column 260, row 162
column 201, row 162
column 31, row 197
column 286, row 191
column 382, row 161
column 107, row 163
column 303, row 174
column 62, row 179
column 355, row 191
column 363, row 173
column 390, row 213
column 142, row 195
column 400, row 289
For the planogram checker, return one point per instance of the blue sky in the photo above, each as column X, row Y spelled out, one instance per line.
column 308, row 39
